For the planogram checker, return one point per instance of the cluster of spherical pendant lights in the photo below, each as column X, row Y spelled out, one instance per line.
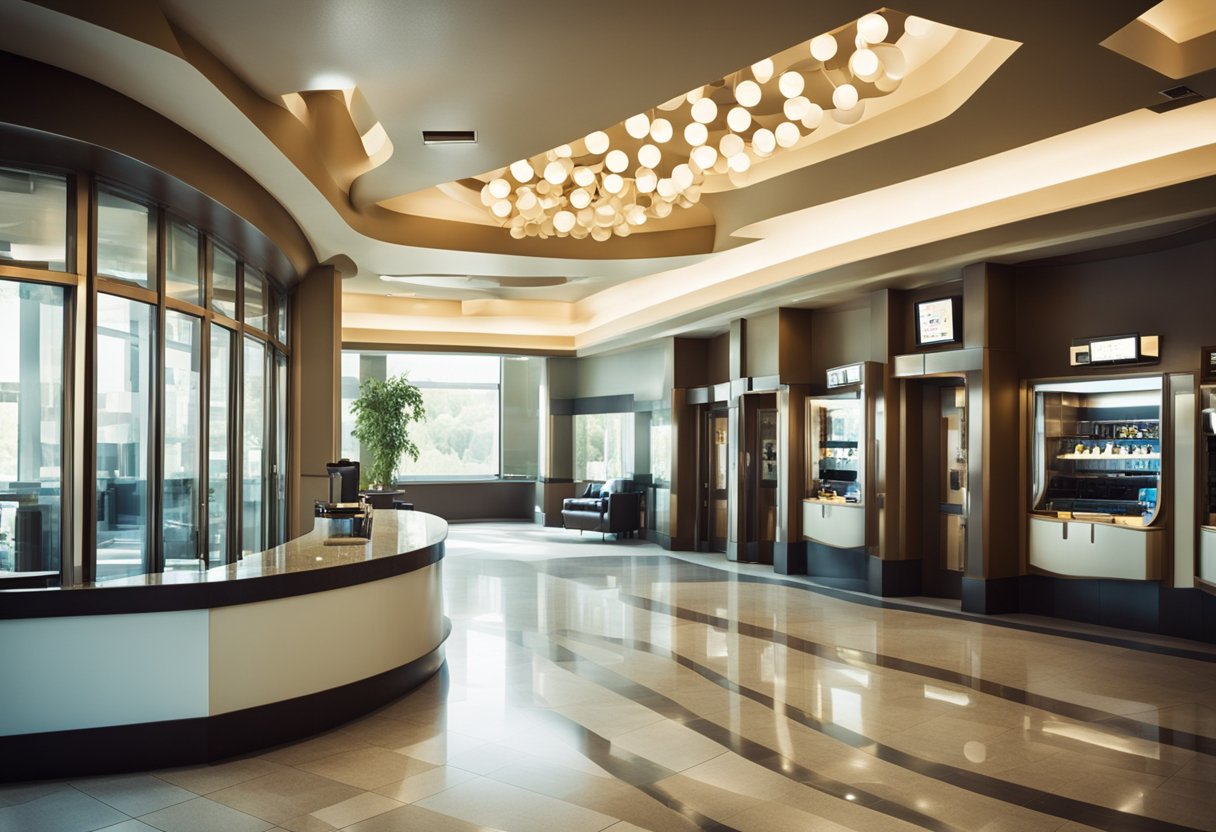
column 591, row 189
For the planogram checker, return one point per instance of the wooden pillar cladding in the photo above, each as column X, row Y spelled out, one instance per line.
column 316, row 369
column 789, row 549
column 794, row 346
column 685, row 471
column 994, row 521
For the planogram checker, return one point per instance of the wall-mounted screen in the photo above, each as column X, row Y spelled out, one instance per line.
column 938, row 322
column 1108, row 350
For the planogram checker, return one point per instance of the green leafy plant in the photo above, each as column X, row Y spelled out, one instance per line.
column 383, row 413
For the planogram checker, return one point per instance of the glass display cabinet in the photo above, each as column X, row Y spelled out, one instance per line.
column 834, row 508
column 1096, row 478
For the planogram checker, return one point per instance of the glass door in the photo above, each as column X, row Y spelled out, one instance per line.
column 952, row 491
column 718, row 468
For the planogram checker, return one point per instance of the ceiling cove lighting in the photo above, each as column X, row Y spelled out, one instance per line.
column 613, row 181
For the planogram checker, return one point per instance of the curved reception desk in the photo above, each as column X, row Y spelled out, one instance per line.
column 193, row 666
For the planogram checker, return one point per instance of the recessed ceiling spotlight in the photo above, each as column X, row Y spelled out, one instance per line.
column 449, row 137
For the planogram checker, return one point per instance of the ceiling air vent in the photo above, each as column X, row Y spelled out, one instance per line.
column 449, row 136
column 1176, row 97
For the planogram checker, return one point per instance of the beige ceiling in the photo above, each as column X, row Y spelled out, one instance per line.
column 1059, row 129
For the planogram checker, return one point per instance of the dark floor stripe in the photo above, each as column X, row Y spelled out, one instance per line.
column 1081, row 713
column 749, row 749
column 1065, row 808
column 706, row 572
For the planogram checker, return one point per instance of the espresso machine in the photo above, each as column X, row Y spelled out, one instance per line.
column 348, row 513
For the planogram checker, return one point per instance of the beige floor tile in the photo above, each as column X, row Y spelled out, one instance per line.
column 367, row 768
column 203, row 815
column 134, row 794
column 427, row 783
column 315, row 748
column 340, row 815
column 670, row 745
column 209, row 778
column 67, row 810
column 284, row 795
column 14, row 794
column 412, row 818
column 512, row 809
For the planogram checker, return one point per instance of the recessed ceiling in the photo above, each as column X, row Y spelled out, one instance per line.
column 324, row 104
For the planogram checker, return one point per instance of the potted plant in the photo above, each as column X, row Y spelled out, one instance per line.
column 383, row 413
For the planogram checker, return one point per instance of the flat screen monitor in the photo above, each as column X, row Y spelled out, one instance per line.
column 1114, row 350
column 938, row 322
column 349, row 471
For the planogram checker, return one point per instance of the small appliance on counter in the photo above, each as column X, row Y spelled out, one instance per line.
column 349, row 515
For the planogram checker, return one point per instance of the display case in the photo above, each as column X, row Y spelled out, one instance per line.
column 1097, row 478
column 833, row 511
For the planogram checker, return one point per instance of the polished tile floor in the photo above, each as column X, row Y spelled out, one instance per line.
column 594, row 686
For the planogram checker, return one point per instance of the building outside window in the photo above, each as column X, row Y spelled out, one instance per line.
column 31, row 425
column 603, row 446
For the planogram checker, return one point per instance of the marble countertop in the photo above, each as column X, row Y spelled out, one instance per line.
column 393, row 533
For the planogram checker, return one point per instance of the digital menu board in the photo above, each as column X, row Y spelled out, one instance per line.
column 1112, row 350
column 937, row 322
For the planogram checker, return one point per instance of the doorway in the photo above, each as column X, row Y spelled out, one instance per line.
column 758, row 491
column 944, row 486
column 715, row 491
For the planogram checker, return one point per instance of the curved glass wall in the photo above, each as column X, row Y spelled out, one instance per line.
column 184, row 376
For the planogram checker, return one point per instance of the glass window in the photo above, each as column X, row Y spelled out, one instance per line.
column 124, row 365
column 33, row 219
column 182, row 275
column 31, row 425
column 223, row 282
column 281, row 319
column 603, row 446
column 521, row 380
column 255, row 299
column 253, row 518
column 218, row 410
column 123, row 233
column 183, row 357
column 280, row 446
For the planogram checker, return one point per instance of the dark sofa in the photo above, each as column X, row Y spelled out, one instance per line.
column 616, row 510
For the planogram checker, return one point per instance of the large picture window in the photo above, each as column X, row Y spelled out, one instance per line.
column 461, row 434
column 603, row 446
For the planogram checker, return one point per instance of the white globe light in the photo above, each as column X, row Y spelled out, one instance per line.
column 613, row 183
column 645, row 180
column 696, row 134
column 661, row 209
column 501, row 209
column 704, row 157
column 787, row 134
column 660, row 130
column 605, row 216
column 638, row 126
column 635, row 215
column 526, row 201
column 487, row 198
column 845, row 97
column 616, row 161
column 682, row 176
column 873, row 27
column 747, row 93
column 583, row 176
column 499, row 188
column 705, row 110
column 580, row 198
column 738, row 119
column 813, row 116
column 763, row 141
column 555, row 173
column 823, row 47
column 791, row 84
column 597, row 142
column 649, row 156
column 564, row 151
column 796, row 108
column 763, row 71
column 622, row 230
column 917, row 27
column 563, row 221
column 522, row 171
column 731, row 145
column 864, row 64
column 693, row 96
column 740, row 163
column 666, row 188
column 601, row 233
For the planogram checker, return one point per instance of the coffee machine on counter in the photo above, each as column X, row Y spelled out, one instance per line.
column 348, row 513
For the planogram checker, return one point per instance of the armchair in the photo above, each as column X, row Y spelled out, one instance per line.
column 617, row 510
